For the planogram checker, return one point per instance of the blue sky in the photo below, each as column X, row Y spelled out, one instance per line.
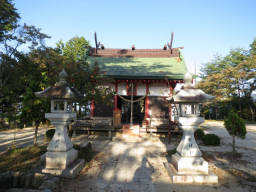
column 204, row 27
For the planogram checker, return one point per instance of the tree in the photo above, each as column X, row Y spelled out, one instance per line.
column 19, row 76
column 235, row 127
column 77, row 48
column 14, row 66
column 231, row 79
column 8, row 19
column 87, row 78
column 33, row 108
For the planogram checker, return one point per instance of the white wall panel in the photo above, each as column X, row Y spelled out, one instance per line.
column 122, row 89
column 159, row 89
column 141, row 89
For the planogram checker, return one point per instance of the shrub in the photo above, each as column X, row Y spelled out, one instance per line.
column 49, row 134
column 211, row 139
column 199, row 134
column 235, row 126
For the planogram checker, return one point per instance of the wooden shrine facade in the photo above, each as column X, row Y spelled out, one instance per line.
column 144, row 77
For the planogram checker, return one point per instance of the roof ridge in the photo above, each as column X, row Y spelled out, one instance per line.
column 134, row 53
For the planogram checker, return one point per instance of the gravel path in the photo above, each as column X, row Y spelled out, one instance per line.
column 23, row 137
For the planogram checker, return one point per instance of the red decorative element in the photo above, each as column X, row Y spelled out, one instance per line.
column 147, row 102
column 171, row 89
column 92, row 108
column 116, row 90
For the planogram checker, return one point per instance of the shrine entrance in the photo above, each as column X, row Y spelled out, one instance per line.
column 138, row 109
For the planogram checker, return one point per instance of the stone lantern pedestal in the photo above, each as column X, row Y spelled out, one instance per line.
column 188, row 157
column 187, row 164
column 60, row 153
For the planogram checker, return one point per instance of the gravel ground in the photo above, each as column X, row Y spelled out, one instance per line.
column 137, row 164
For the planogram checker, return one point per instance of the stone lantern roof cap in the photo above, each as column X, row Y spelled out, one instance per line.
column 61, row 89
column 189, row 94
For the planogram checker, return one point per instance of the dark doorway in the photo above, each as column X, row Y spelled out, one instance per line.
column 138, row 110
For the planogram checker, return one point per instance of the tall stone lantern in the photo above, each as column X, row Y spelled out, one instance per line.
column 188, row 164
column 60, row 152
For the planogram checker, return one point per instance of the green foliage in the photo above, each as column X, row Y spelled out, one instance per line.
column 76, row 48
column 235, row 125
column 8, row 17
column 49, row 134
column 231, row 79
column 199, row 134
column 211, row 139
column 253, row 47
column 88, row 79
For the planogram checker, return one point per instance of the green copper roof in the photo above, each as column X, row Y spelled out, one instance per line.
column 141, row 68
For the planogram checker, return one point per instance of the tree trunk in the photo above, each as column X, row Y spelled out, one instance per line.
column 216, row 112
column 75, row 107
column 239, row 102
column 36, row 131
column 79, row 110
column 234, row 147
column 14, row 125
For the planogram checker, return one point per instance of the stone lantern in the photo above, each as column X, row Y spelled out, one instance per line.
column 60, row 152
column 188, row 164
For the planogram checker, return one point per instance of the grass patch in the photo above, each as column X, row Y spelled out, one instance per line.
column 21, row 159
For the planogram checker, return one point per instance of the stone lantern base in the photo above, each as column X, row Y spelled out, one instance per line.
column 63, row 164
column 192, row 165
column 190, row 177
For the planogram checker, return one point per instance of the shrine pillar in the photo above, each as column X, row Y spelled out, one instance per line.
column 92, row 108
column 116, row 112
column 147, row 103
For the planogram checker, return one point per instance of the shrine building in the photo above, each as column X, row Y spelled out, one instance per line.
column 143, row 80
